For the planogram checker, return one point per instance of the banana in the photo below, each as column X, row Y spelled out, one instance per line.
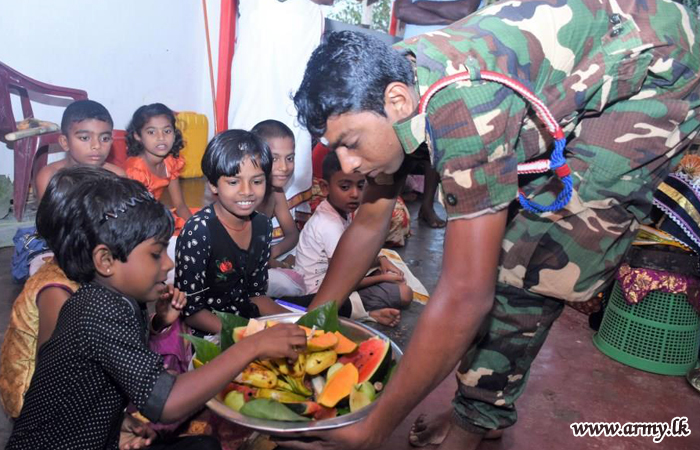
column 298, row 370
column 298, row 386
column 320, row 361
column 258, row 376
column 280, row 396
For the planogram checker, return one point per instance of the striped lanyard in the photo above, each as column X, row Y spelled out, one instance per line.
column 557, row 161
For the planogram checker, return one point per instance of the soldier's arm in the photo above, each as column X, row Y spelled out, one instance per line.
column 446, row 328
column 361, row 242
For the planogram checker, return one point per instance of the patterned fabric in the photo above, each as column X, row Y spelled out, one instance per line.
column 679, row 198
column 19, row 350
column 494, row 372
column 137, row 169
column 214, row 272
column 96, row 362
column 636, row 283
column 610, row 63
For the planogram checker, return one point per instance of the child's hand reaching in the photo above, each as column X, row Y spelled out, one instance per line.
column 168, row 308
column 285, row 340
column 386, row 267
column 391, row 277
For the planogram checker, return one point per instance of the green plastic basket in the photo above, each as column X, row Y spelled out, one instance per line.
column 660, row 334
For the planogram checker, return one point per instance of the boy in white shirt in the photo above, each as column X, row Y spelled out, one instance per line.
column 384, row 291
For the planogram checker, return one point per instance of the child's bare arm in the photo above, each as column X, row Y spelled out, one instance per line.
column 49, row 303
column 42, row 180
column 204, row 320
column 178, row 199
column 193, row 389
column 289, row 227
column 267, row 306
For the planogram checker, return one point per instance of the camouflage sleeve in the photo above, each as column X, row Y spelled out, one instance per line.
column 473, row 128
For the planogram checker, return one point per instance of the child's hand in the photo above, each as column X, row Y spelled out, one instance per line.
column 391, row 277
column 168, row 307
column 135, row 434
column 285, row 340
column 386, row 266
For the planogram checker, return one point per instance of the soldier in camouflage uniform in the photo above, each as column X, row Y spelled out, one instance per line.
column 620, row 77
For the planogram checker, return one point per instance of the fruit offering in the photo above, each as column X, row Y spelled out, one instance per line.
column 332, row 377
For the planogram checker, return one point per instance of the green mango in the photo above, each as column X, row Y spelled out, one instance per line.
column 320, row 361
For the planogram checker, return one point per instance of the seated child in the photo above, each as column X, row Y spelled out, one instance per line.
column 86, row 137
column 382, row 294
column 279, row 137
column 223, row 252
column 153, row 145
column 97, row 359
column 35, row 311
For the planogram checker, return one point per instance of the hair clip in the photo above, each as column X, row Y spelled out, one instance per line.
column 141, row 198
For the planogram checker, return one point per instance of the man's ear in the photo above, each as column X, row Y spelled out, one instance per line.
column 323, row 184
column 400, row 101
column 103, row 260
column 63, row 142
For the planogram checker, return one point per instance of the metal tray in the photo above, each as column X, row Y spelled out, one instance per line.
column 352, row 330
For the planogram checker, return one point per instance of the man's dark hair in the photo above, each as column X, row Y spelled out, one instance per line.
column 270, row 129
column 331, row 165
column 139, row 120
column 110, row 210
column 348, row 73
column 84, row 110
column 228, row 149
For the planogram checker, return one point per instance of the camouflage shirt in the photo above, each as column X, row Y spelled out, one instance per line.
column 621, row 78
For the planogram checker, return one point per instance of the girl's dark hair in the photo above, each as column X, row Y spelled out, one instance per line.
column 138, row 121
column 105, row 209
column 348, row 73
column 52, row 212
column 228, row 149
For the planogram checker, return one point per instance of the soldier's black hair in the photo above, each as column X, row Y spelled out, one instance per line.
column 84, row 110
column 348, row 73
column 101, row 208
column 228, row 149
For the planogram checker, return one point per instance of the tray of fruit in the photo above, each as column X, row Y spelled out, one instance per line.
column 332, row 384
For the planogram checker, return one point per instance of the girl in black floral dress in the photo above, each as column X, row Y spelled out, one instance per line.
column 223, row 251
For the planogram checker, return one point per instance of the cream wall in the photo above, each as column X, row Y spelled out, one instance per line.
column 124, row 53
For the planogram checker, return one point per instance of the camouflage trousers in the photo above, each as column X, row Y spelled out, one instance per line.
column 494, row 372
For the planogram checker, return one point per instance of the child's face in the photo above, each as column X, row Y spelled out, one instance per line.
column 282, row 150
column 241, row 194
column 344, row 191
column 143, row 275
column 157, row 136
column 88, row 142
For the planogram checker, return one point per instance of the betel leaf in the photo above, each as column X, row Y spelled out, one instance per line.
column 205, row 351
column 325, row 318
column 263, row 408
column 228, row 323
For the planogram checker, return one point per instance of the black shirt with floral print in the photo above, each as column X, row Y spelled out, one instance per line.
column 214, row 272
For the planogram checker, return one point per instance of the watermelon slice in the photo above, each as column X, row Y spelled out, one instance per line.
column 372, row 359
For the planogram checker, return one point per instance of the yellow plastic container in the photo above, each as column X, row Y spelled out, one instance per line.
column 195, row 132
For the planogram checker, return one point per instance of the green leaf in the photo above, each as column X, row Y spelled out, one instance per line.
column 263, row 408
column 325, row 317
column 228, row 323
column 205, row 351
column 343, row 411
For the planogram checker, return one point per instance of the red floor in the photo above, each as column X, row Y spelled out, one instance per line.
column 572, row 381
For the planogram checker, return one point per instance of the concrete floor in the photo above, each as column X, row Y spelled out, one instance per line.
column 570, row 381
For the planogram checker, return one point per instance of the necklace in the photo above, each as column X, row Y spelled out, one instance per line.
column 228, row 227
